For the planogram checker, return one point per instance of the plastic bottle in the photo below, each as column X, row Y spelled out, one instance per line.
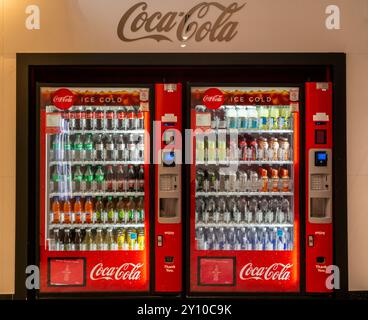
column 263, row 113
column 109, row 240
column 67, row 211
column 273, row 119
column 77, row 210
column 100, row 179
column 89, row 123
column 88, row 179
column 67, row 241
column 57, row 181
column 140, row 181
column 120, row 179
column 99, row 240
column 88, row 148
column 252, row 117
column 130, row 207
column 68, row 154
column 78, row 240
column 110, row 148
column 88, row 241
column 56, row 210
column 77, row 179
column 110, row 210
column 140, row 210
column 56, row 148
column 110, row 179
column 99, row 148
column 78, row 148
column 99, row 211
column 120, row 148
column 110, row 119
column 131, row 179
column 88, row 210
column 120, row 209
column 264, row 181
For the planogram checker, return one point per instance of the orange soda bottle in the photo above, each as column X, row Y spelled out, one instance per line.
column 56, row 210
column 88, row 210
column 77, row 209
column 67, row 209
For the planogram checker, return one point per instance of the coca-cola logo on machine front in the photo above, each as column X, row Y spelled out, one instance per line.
column 275, row 272
column 213, row 98
column 205, row 20
column 63, row 98
column 126, row 271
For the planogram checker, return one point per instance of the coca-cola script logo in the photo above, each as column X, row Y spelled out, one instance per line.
column 195, row 23
column 276, row 271
column 63, row 98
column 127, row 271
column 213, row 98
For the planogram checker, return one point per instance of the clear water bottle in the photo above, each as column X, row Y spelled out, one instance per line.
column 221, row 238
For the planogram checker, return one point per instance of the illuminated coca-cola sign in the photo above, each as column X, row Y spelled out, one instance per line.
column 274, row 272
column 126, row 271
column 206, row 20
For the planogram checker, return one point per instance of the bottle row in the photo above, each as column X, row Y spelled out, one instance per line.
column 262, row 179
column 121, row 178
column 97, row 239
column 244, row 147
column 110, row 210
column 244, row 210
column 269, row 239
column 102, row 118
column 250, row 117
column 109, row 147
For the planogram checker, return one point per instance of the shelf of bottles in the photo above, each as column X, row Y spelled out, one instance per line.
column 244, row 179
column 96, row 180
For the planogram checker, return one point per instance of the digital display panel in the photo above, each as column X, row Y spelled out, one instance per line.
column 320, row 158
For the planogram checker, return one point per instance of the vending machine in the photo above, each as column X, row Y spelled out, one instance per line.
column 245, row 180
column 143, row 190
column 94, row 189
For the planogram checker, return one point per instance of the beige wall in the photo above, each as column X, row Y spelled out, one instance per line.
column 264, row 26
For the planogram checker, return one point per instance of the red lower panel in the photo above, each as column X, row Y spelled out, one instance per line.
column 92, row 271
column 250, row 271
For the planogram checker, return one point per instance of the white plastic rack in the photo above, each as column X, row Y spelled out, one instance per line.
column 94, row 163
column 95, row 225
column 250, row 193
column 243, row 224
column 96, row 194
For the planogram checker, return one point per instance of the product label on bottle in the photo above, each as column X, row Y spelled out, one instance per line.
column 88, row 146
column 110, row 146
column 110, row 115
column 99, row 146
column 99, row 115
column 78, row 147
column 99, row 178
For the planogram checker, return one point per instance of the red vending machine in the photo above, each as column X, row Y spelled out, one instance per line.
column 94, row 189
column 245, row 218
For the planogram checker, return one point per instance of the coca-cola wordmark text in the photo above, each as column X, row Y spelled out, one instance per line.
column 276, row 271
column 193, row 24
column 127, row 271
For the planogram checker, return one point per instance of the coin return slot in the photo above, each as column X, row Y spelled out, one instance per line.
column 321, row 260
column 169, row 259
